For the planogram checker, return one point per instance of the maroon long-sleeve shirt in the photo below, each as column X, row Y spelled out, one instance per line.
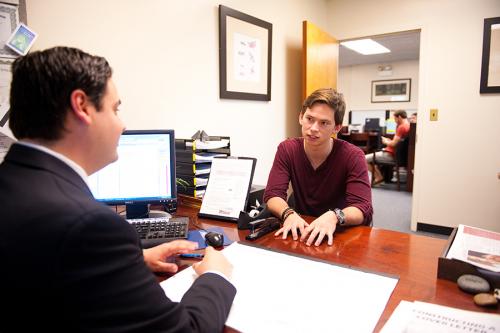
column 339, row 182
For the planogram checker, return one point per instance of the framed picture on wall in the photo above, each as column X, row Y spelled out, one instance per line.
column 490, row 66
column 384, row 91
column 245, row 53
column 9, row 19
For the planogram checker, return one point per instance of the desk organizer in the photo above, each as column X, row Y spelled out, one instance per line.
column 452, row 269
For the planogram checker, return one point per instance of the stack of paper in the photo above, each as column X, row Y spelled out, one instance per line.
column 416, row 317
column 216, row 144
column 206, row 157
column 194, row 159
column 477, row 247
column 202, row 169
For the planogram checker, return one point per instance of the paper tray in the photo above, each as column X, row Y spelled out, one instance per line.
column 452, row 269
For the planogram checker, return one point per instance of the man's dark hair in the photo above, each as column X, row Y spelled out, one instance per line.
column 400, row 113
column 42, row 83
column 330, row 97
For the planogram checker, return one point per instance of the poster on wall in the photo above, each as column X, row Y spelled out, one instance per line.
column 9, row 20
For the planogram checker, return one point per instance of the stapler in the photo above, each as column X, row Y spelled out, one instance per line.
column 262, row 227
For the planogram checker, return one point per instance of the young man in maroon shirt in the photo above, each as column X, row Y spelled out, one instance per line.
column 329, row 177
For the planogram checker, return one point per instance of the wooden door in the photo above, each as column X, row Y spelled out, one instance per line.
column 320, row 59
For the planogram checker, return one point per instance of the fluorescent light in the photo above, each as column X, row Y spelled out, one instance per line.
column 366, row 46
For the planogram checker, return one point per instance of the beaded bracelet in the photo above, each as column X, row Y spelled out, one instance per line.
column 288, row 209
column 290, row 212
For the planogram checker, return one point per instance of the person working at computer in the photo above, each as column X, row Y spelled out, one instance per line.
column 69, row 263
column 413, row 118
column 328, row 176
column 388, row 153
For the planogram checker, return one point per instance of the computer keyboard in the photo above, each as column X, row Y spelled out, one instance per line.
column 157, row 230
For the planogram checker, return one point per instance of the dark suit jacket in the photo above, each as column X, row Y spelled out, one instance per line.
column 69, row 263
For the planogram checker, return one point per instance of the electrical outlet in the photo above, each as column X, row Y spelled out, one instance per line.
column 434, row 114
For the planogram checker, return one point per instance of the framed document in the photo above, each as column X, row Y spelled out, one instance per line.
column 245, row 53
column 228, row 187
column 21, row 39
column 9, row 19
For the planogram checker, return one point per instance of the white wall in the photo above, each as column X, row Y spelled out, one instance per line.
column 165, row 58
column 458, row 157
column 355, row 82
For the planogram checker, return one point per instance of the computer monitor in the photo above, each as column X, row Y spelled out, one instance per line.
column 144, row 173
column 372, row 125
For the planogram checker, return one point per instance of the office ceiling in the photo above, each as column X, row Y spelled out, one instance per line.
column 403, row 46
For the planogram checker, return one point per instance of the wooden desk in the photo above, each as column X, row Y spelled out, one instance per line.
column 412, row 257
column 373, row 144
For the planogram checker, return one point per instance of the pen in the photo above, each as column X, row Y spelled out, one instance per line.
column 192, row 255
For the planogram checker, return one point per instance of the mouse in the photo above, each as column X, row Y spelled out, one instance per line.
column 214, row 239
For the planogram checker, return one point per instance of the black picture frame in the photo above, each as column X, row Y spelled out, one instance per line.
column 490, row 77
column 391, row 91
column 253, row 40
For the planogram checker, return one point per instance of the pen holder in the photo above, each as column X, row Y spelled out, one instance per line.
column 244, row 219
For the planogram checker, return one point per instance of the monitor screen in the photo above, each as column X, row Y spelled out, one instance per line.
column 143, row 174
column 372, row 124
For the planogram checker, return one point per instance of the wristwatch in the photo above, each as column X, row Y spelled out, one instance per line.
column 340, row 216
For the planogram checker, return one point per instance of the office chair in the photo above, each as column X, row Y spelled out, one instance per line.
column 400, row 160
column 361, row 140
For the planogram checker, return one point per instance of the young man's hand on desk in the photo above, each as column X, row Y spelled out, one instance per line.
column 324, row 225
column 320, row 227
column 294, row 223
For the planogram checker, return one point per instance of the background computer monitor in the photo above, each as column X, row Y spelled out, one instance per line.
column 144, row 173
column 358, row 117
column 372, row 124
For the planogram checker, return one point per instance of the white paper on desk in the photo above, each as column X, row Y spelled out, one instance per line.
column 277, row 292
column 427, row 317
column 478, row 247
column 419, row 317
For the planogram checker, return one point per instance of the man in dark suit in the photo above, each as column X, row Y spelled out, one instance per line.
column 68, row 262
